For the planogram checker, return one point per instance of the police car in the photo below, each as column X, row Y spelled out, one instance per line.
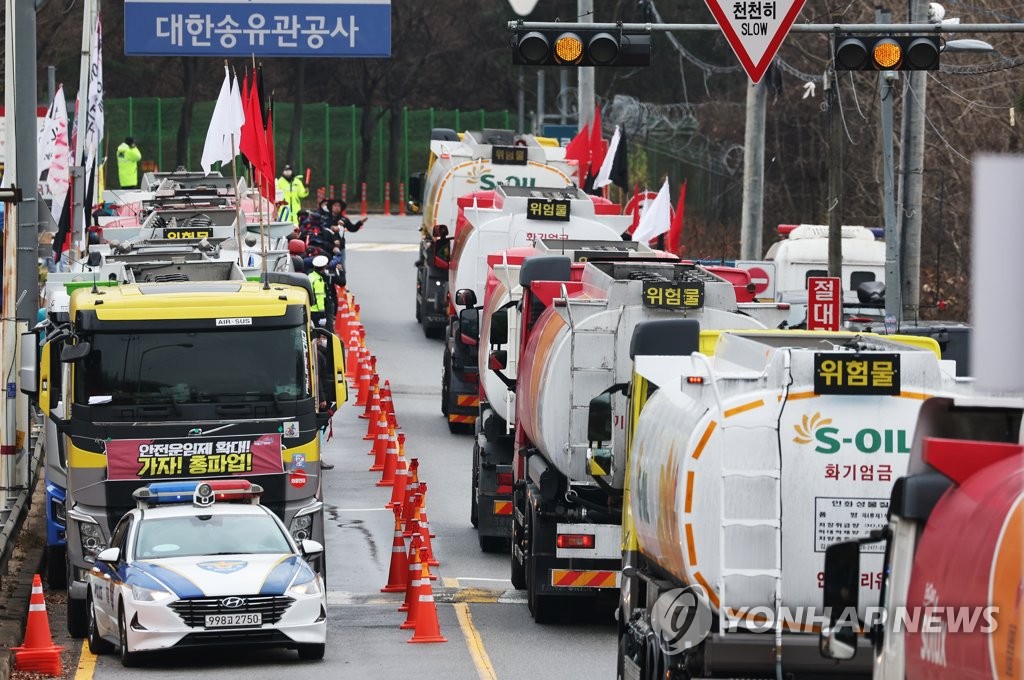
column 188, row 568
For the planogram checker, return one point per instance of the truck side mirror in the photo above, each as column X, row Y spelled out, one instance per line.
column 599, row 431
column 75, row 352
column 469, row 326
column 838, row 640
column 499, row 328
column 44, row 378
column 465, row 297
column 338, row 368
column 29, row 371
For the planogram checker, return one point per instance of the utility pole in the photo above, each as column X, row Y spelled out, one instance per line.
column 752, row 224
column 835, row 176
column 585, row 15
column 886, row 93
column 539, row 124
column 912, row 153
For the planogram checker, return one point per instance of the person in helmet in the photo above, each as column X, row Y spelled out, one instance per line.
column 323, row 293
column 296, row 249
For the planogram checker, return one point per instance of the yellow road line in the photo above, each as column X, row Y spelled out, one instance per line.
column 484, row 669
column 86, row 663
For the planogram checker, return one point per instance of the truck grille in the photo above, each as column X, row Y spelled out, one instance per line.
column 193, row 611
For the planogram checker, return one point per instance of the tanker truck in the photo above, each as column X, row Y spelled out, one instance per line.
column 573, row 362
column 463, row 163
column 951, row 603
column 491, row 496
column 743, row 468
column 513, row 217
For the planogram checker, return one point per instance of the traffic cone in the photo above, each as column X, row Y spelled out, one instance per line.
column 388, row 405
column 413, row 577
column 401, row 478
column 352, row 355
column 373, row 403
column 380, row 446
column 365, row 376
column 425, row 536
column 355, row 309
column 38, row 654
column 398, row 573
column 427, row 627
column 411, row 487
column 412, row 594
column 413, row 516
column 373, row 428
column 387, row 477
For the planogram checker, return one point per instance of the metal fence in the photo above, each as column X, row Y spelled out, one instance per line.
column 330, row 143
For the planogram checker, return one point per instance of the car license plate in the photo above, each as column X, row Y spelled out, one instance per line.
column 231, row 620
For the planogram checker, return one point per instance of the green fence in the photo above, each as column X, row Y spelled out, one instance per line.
column 330, row 140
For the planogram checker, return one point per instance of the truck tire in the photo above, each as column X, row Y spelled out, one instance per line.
column 78, row 618
column 494, row 544
column 541, row 606
column 446, row 381
column 56, row 567
column 474, row 515
column 433, row 331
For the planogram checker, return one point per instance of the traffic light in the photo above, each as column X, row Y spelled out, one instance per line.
column 887, row 53
column 591, row 47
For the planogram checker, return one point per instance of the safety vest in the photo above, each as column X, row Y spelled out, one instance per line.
column 319, row 301
column 294, row 191
column 128, row 165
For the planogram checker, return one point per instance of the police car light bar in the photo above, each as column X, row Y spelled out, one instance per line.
column 199, row 493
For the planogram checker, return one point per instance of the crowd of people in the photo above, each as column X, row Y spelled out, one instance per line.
column 317, row 248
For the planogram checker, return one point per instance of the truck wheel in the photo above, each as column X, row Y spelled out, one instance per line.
column 493, row 544
column 474, row 515
column 56, row 567
column 434, row 332
column 446, row 380
column 78, row 618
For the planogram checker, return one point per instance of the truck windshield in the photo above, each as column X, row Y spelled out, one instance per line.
column 193, row 367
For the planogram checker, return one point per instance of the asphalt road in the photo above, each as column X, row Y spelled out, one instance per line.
column 489, row 630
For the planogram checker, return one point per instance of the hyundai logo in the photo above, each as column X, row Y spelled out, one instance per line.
column 233, row 602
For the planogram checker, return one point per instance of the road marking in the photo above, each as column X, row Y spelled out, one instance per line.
column 450, row 594
column 86, row 663
column 384, row 247
column 475, row 644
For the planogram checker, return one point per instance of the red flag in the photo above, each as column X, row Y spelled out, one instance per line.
column 249, row 145
column 579, row 150
column 269, row 186
column 596, row 143
column 675, row 230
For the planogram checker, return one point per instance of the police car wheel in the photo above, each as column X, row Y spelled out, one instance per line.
column 128, row 658
column 97, row 644
column 312, row 652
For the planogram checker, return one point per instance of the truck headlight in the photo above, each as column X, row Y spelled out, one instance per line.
column 302, row 528
column 92, row 540
column 58, row 512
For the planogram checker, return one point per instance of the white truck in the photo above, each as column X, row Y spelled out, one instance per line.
column 744, row 466
column 474, row 161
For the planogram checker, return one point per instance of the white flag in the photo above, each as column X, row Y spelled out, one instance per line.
column 602, row 179
column 58, row 179
column 56, row 116
column 237, row 117
column 94, row 111
column 656, row 219
column 220, row 129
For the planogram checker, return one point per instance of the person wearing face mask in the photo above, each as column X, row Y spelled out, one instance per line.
column 293, row 191
column 325, row 386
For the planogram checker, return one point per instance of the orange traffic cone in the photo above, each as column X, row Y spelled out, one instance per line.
column 373, row 403
column 380, row 446
column 398, row 573
column 427, row 627
column 388, row 404
column 401, row 477
column 412, row 594
column 356, row 308
column 413, row 516
column 411, row 487
column 38, row 654
column 365, row 376
column 425, row 536
column 352, row 356
column 373, row 427
column 387, row 477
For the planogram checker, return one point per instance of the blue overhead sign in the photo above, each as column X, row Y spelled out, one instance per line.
column 267, row 28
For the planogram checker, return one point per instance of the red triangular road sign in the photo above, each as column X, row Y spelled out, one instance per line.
column 755, row 30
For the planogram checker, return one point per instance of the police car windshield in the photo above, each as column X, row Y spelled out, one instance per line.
column 176, row 367
column 209, row 535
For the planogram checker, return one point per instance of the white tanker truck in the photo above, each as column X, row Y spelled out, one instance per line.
column 743, row 468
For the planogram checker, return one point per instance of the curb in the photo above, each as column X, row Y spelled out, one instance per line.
column 24, row 560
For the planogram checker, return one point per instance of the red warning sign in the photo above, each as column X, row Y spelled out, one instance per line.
column 297, row 478
column 755, row 30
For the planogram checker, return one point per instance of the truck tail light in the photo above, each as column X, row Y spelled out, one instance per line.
column 695, row 380
column 575, row 541
column 504, row 482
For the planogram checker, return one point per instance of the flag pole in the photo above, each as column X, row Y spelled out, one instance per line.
column 240, row 215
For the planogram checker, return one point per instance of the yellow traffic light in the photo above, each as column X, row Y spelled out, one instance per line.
column 568, row 49
column 887, row 54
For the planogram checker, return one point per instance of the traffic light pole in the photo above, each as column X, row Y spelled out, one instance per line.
column 835, row 176
column 585, row 92
column 886, row 93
